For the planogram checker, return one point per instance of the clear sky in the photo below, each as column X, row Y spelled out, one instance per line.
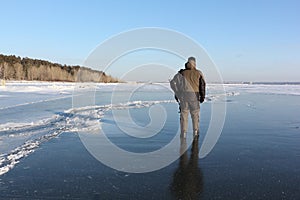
column 257, row 40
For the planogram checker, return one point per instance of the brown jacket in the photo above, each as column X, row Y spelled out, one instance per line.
column 194, row 81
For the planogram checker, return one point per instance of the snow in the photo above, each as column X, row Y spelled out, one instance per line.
column 284, row 89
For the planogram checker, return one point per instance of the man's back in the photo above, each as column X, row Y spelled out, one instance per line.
column 192, row 80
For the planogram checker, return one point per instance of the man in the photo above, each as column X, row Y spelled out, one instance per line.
column 189, row 87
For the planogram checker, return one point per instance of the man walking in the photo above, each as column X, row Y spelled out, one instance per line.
column 189, row 87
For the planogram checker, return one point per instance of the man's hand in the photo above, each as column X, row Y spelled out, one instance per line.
column 202, row 99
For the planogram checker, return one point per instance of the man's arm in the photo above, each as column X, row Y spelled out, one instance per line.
column 202, row 87
column 175, row 85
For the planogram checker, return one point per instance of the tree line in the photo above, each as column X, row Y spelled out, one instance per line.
column 16, row 68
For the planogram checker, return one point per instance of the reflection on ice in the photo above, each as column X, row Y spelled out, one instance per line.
column 188, row 178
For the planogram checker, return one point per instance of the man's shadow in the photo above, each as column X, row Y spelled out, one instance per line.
column 188, row 178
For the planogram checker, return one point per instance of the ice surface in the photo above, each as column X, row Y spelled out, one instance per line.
column 19, row 138
column 8, row 161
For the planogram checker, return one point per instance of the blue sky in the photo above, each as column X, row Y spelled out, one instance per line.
column 255, row 40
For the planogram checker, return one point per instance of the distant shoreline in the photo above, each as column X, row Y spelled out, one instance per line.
column 264, row 83
column 165, row 82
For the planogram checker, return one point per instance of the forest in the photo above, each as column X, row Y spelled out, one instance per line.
column 16, row 68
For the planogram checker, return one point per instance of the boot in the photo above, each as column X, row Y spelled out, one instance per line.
column 196, row 134
column 183, row 135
